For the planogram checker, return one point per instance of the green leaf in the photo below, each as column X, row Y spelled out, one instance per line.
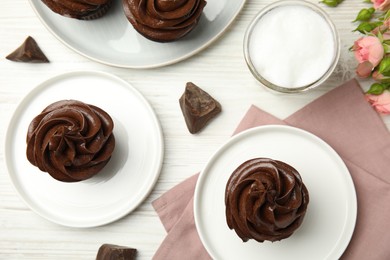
column 365, row 14
column 380, row 37
column 332, row 3
column 386, row 48
column 387, row 15
column 385, row 82
column 366, row 27
column 376, row 89
column 384, row 65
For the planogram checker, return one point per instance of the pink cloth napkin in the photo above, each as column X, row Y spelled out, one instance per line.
column 344, row 120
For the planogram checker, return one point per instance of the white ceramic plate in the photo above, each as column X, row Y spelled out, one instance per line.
column 113, row 41
column 331, row 215
column 127, row 178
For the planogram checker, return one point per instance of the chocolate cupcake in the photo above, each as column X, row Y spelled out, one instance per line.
column 265, row 200
column 163, row 20
column 70, row 140
column 79, row 9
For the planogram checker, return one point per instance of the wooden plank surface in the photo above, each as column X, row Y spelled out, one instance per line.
column 220, row 69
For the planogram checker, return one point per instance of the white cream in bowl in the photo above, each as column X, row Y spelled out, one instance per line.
column 291, row 46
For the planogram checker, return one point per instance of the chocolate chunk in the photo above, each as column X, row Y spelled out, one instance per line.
column 198, row 107
column 115, row 252
column 29, row 51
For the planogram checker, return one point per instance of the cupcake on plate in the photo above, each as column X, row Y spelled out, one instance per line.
column 163, row 20
column 79, row 9
column 70, row 140
column 265, row 200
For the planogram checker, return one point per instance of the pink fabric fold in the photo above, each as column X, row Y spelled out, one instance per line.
column 344, row 120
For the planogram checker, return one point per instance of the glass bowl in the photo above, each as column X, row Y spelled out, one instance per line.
column 291, row 46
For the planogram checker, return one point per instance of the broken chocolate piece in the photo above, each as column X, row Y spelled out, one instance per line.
column 198, row 107
column 115, row 252
column 29, row 51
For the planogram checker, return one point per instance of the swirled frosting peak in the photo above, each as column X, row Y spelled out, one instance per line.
column 79, row 9
column 163, row 20
column 70, row 140
column 265, row 200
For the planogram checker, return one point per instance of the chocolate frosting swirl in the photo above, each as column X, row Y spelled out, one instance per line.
column 163, row 20
column 79, row 9
column 70, row 140
column 265, row 200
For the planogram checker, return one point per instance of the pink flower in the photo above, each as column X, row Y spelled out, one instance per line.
column 364, row 69
column 383, row 29
column 381, row 103
column 381, row 5
column 369, row 49
column 377, row 76
column 386, row 35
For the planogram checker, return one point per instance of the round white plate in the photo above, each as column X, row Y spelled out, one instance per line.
column 331, row 215
column 127, row 178
column 112, row 40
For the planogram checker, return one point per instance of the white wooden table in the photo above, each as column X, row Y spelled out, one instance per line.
column 220, row 70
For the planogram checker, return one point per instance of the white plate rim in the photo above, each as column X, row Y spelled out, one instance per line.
column 14, row 120
column 150, row 66
column 350, row 226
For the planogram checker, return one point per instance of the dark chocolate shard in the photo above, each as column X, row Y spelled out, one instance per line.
column 29, row 51
column 115, row 252
column 198, row 107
